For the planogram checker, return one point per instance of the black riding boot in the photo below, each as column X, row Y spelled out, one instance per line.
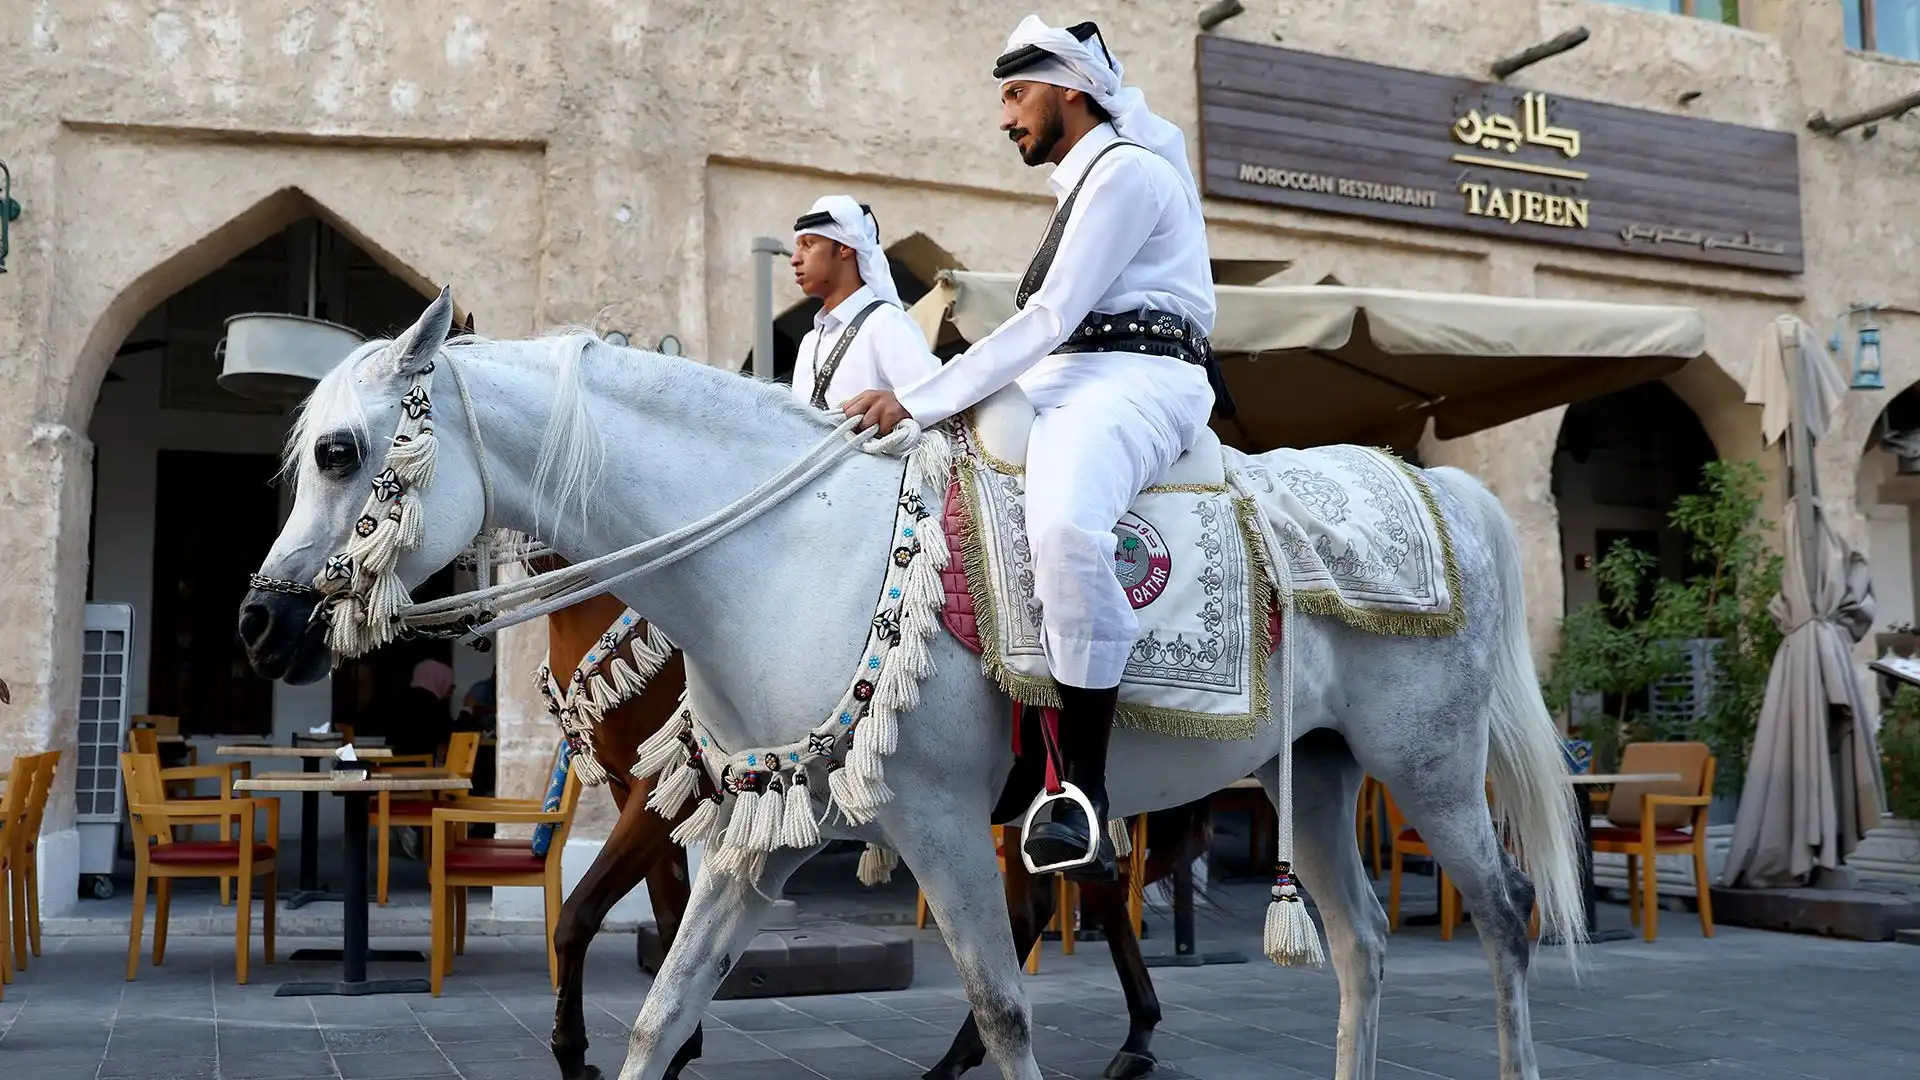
column 1086, row 723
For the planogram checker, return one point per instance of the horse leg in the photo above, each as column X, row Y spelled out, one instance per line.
column 725, row 913
column 1029, row 910
column 639, row 840
column 954, row 864
column 1109, row 900
column 668, row 886
column 1447, row 802
column 1326, row 784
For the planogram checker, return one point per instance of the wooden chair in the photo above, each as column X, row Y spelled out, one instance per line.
column 24, row 858
column 460, row 864
column 1647, row 820
column 13, row 802
column 1407, row 841
column 416, row 811
column 178, row 785
column 158, row 858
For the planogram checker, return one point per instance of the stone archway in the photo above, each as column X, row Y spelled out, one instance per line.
column 195, row 204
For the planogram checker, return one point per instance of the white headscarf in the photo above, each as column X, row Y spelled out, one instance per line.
column 1084, row 66
column 857, row 229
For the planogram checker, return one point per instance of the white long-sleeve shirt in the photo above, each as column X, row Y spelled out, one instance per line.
column 1136, row 238
column 889, row 353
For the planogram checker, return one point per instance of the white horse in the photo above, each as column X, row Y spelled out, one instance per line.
column 772, row 618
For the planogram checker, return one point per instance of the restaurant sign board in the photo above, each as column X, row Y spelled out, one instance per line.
column 1311, row 132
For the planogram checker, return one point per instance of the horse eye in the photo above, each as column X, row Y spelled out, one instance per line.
column 335, row 456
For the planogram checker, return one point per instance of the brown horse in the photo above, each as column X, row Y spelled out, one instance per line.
column 641, row 848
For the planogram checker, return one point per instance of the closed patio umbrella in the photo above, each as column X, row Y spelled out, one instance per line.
column 1813, row 777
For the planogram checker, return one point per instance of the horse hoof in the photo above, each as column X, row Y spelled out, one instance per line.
column 946, row 1070
column 592, row 1072
column 1128, row 1066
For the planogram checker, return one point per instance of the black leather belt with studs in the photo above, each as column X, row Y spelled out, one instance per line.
column 1158, row 333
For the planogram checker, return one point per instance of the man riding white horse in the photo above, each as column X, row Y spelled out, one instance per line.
column 870, row 340
column 1109, row 346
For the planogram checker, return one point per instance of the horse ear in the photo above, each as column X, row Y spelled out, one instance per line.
column 421, row 342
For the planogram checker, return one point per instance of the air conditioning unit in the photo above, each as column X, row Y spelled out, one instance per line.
column 275, row 357
column 106, row 662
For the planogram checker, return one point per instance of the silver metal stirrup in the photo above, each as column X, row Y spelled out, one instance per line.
column 1095, row 829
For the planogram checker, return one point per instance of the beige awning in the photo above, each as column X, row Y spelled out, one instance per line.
column 1316, row 364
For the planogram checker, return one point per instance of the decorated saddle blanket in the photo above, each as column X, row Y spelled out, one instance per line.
column 1353, row 531
column 1360, row 537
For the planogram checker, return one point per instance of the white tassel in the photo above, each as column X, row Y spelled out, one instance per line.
column 659, row 750
column 412, row 525
column 1121, row 836
column 586, row 766
column 924, row 591
column 912, row 652
column 701, row 826
column 740, row 824
column 933, row 541
column 876, row 865
column 880, row 731
column 587, row 713
column 629, row 682
column 386, row 599
column 671, row 793
column 1290, row 939
column 769, row 814
column 898, row 683
column 863, row 761
column 858, row 797
column 799, row 830
column 659, row 647
column 735, row 862
column 602, row 695
column 415, row 460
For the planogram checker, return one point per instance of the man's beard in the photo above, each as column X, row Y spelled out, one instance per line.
column 1045, row 137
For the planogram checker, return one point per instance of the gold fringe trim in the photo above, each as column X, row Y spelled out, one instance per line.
column 1175, row 723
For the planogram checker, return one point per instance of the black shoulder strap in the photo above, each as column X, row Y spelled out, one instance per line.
column 823, row 374
column 1050, row 244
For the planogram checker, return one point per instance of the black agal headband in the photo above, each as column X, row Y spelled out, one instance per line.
column 1027, row 56
column 821, row 217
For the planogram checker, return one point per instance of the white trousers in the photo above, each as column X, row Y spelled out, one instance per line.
column 1099, row 437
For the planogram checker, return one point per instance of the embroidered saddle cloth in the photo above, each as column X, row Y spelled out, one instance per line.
column 1360, row 537
column 1357, row 536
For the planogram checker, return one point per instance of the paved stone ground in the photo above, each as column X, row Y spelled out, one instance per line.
column 1746, row 1005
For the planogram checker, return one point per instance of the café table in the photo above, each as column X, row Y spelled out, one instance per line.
column 319, row 749
column 1583, row 785
column 357, row 792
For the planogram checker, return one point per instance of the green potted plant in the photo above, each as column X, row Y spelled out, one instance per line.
column 1636, row 644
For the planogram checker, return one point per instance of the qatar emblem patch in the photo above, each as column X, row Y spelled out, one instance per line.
column 1141, row 560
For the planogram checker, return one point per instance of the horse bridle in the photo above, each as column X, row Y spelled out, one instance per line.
column 475, row 554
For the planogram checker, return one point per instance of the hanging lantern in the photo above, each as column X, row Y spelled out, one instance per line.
column 270, row 356
column 1866, row 347
column 1866, row 359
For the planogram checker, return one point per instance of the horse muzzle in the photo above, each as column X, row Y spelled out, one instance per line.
column 282, row 638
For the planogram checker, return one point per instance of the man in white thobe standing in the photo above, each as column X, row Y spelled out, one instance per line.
column 862, row 336
column 1109, row 346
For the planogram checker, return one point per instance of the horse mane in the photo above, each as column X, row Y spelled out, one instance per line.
column 572, row 450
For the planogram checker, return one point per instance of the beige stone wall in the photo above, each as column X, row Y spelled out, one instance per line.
column 587, row 161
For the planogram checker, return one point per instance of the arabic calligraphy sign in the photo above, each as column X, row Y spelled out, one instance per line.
column 1311, row 132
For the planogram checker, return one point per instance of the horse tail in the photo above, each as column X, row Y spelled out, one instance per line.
column 1534, row 804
